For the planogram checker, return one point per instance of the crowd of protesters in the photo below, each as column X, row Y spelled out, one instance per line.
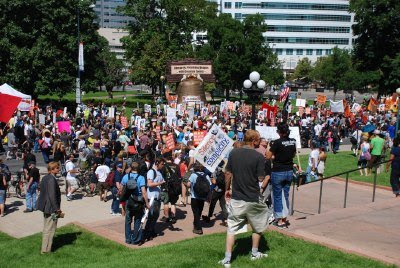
column 103, row 150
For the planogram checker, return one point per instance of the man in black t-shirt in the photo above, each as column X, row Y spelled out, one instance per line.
column 31, row 188
column 244, row 171
column 282, row 152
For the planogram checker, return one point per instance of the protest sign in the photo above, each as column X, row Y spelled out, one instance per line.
column 147, row 108
column 142, row 123
column 137, row 121
column 171, row 115
column 301, row 103
column 42, row 119
column 355, row 108
column 54, row 117
column 213, row 148
column 158, row 109
column 198, row 136
column 190, row 112
column 64, row 126
column 124, row 122
column 111, row 112
column 169, row 140
column 321, row 98
column 270, row 133
column 65, row 112
column 337, row 106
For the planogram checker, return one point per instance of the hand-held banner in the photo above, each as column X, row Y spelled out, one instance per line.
column 212, row 150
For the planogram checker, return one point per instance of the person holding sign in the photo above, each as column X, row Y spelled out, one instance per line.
column 244, row 170
column 282, row 152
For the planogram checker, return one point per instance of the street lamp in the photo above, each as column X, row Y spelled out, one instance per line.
column 80, row 61
column 398, row 112
column 254, row 88
column 162, row 79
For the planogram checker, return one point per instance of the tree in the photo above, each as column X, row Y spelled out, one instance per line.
column 39, row 48
column 377, row 39
column 237, row 48
column 303, row 69
column 112, row 72
column 162, row 31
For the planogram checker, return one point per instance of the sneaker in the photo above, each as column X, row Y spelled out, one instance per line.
column 28, row 210
column 258, row 256
column 225, row 263
column 115, row 214
column 69, row 198
column 271, row 219
column 199, row 232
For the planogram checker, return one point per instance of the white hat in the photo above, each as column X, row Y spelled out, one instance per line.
column 377, row 132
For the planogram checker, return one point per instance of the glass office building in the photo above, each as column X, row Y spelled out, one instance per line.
column 299, row 28
column 108, row 16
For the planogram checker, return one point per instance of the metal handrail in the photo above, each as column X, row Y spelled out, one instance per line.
column 346, row 185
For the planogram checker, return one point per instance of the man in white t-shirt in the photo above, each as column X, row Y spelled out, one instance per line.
column 101, row 174
column 313, row 160
column 72, row 182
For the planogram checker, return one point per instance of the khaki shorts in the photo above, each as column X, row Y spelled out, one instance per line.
column 241, row 212
column 73, row 183
column 101, row 186
column 165, row 198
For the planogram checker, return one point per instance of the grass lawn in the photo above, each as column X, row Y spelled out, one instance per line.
column 343, row 161
column 77, row 248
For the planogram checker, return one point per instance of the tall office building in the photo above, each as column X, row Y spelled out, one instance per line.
column 299, row 28
column 107, row 14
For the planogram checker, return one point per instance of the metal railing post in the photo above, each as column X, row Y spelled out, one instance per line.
column 292, row 205
column 373, row 193
column 320, row 197
column 345, row 190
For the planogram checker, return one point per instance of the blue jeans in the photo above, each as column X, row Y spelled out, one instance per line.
column 133, row 236
column 36, row 145
column 154, row 213
column 46, row 155
column 31, row 196
column 115, row 200
column 281, row 182
column 310, row 176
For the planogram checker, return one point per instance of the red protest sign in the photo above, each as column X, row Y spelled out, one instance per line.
column 198, row 136
column 124, row 122
column 170, row 141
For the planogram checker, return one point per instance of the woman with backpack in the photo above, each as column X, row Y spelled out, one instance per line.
column 199, row 184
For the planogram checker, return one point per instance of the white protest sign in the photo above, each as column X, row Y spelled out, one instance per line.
column 147, row 108
column 337, row 106
column 269, row 133
column 171, row 115
column 213, row 148
column 65, row 112
column 300, row 102
column 111, row 112
column 54, row 117
column 42, row 119
column 356, row 107
column 158, row 109
column 137, row 121
column 190, row 112
column 142, row 123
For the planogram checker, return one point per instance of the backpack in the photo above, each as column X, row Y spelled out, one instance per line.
column 220, row 180
column 202, row 186
column 130, row 185
column 110, row 179
column 174, row 184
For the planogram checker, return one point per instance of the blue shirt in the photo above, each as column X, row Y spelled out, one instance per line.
column 193, row 179
column 139, row 181
column 154, row 191
column 117, row 178
column 396, row 161
column 392, row 131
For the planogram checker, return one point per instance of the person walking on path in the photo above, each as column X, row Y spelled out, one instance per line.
column 49, row 203
column 377, row 146
column 244, row 170
column 282, row 151
column 31, row 187
column 395, row 164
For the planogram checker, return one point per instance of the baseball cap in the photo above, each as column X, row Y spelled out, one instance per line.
column 119, row 165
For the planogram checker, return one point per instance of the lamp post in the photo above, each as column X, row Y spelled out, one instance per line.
column 254, row 88
column 78, row 79
column 398, row 113
column 162, row 79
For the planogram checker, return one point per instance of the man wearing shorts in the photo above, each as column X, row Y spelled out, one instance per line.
column 244, row 171
column 102, row 172
column 72, row 171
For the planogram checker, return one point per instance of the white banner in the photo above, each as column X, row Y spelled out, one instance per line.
column 300, row 102
column 337, row 106
column 78, row 91
column 42, row 119
column 213, row 148
column 269, row 133
column 80, row 58
column 171, row 115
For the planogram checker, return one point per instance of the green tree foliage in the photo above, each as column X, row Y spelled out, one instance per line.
column 111, row 71
column 162, row 31
column 237, row 48
column 377, row 42
column 303, row 70
column 38, row 45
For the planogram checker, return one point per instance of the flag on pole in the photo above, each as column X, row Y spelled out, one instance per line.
column 80, row 58
column 284, row 94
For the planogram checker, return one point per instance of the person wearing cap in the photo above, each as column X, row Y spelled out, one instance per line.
column 31, row 187
column 377, row 146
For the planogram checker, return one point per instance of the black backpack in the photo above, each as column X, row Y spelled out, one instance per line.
column 174, row 183
column 202, row 186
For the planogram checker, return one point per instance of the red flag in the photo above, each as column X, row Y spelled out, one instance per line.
column 8, row 104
